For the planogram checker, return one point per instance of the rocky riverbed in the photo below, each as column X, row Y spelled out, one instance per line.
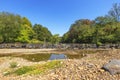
column 87, row 68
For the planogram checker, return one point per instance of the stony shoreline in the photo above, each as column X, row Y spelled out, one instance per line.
column 87, row 68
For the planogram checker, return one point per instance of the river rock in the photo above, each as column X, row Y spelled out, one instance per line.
column 113, row 67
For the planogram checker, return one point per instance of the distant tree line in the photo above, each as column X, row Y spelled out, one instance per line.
column 104, row 29
column 14, row 28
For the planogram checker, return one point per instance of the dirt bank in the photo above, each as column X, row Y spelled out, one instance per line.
column 65, row 51
column 26, row 50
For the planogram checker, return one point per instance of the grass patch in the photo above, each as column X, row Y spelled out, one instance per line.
column 37, row 69
column 24, row 70
column 13, row 64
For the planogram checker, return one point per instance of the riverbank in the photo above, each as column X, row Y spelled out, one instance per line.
column 87, row 68
column 34, row 51
column 25, row 51
column 65, row 51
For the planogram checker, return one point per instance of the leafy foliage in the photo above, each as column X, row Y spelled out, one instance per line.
column 42, row 33
column 104, row 29
column 14, row 28
column 55, row 39
column 9, row 27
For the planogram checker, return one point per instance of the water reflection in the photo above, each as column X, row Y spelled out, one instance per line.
column 57, row 56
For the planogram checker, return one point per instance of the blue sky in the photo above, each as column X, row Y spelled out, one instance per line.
column 57, row 15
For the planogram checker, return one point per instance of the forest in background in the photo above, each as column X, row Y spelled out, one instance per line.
column 14, row 28
column 103, row 29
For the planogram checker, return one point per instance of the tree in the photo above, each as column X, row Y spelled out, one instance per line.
column 55, row 39
column 115, row 12
column 103, row 20
column 104, row 29
column 1, row 38
column 117, row 34
column 79, row 32
column 25, row 21
column 86, row 34
column 26, row 31
column 65, row 38
column 25, row 34
column 14, row 28
column 9, row 27
column 42, row 33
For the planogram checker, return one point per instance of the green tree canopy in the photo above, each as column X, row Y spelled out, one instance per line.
column 55, row 39
column 9, row 27
column 79, row 32
column 14, row 28
column 42, row 33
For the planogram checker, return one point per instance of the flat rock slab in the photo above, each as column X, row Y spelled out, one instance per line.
column 113, row 67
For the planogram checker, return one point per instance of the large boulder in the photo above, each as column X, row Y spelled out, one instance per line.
column 113, row 67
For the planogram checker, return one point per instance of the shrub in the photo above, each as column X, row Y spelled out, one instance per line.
column 13, row 64
column 24, row 70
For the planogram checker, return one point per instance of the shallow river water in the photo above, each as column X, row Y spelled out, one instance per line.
column 43, row 57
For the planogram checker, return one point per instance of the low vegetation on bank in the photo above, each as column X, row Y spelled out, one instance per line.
column 33, row 69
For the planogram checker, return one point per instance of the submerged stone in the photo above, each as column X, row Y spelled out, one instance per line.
column 113, row 67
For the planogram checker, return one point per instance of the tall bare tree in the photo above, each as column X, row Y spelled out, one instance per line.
column 115, row 12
